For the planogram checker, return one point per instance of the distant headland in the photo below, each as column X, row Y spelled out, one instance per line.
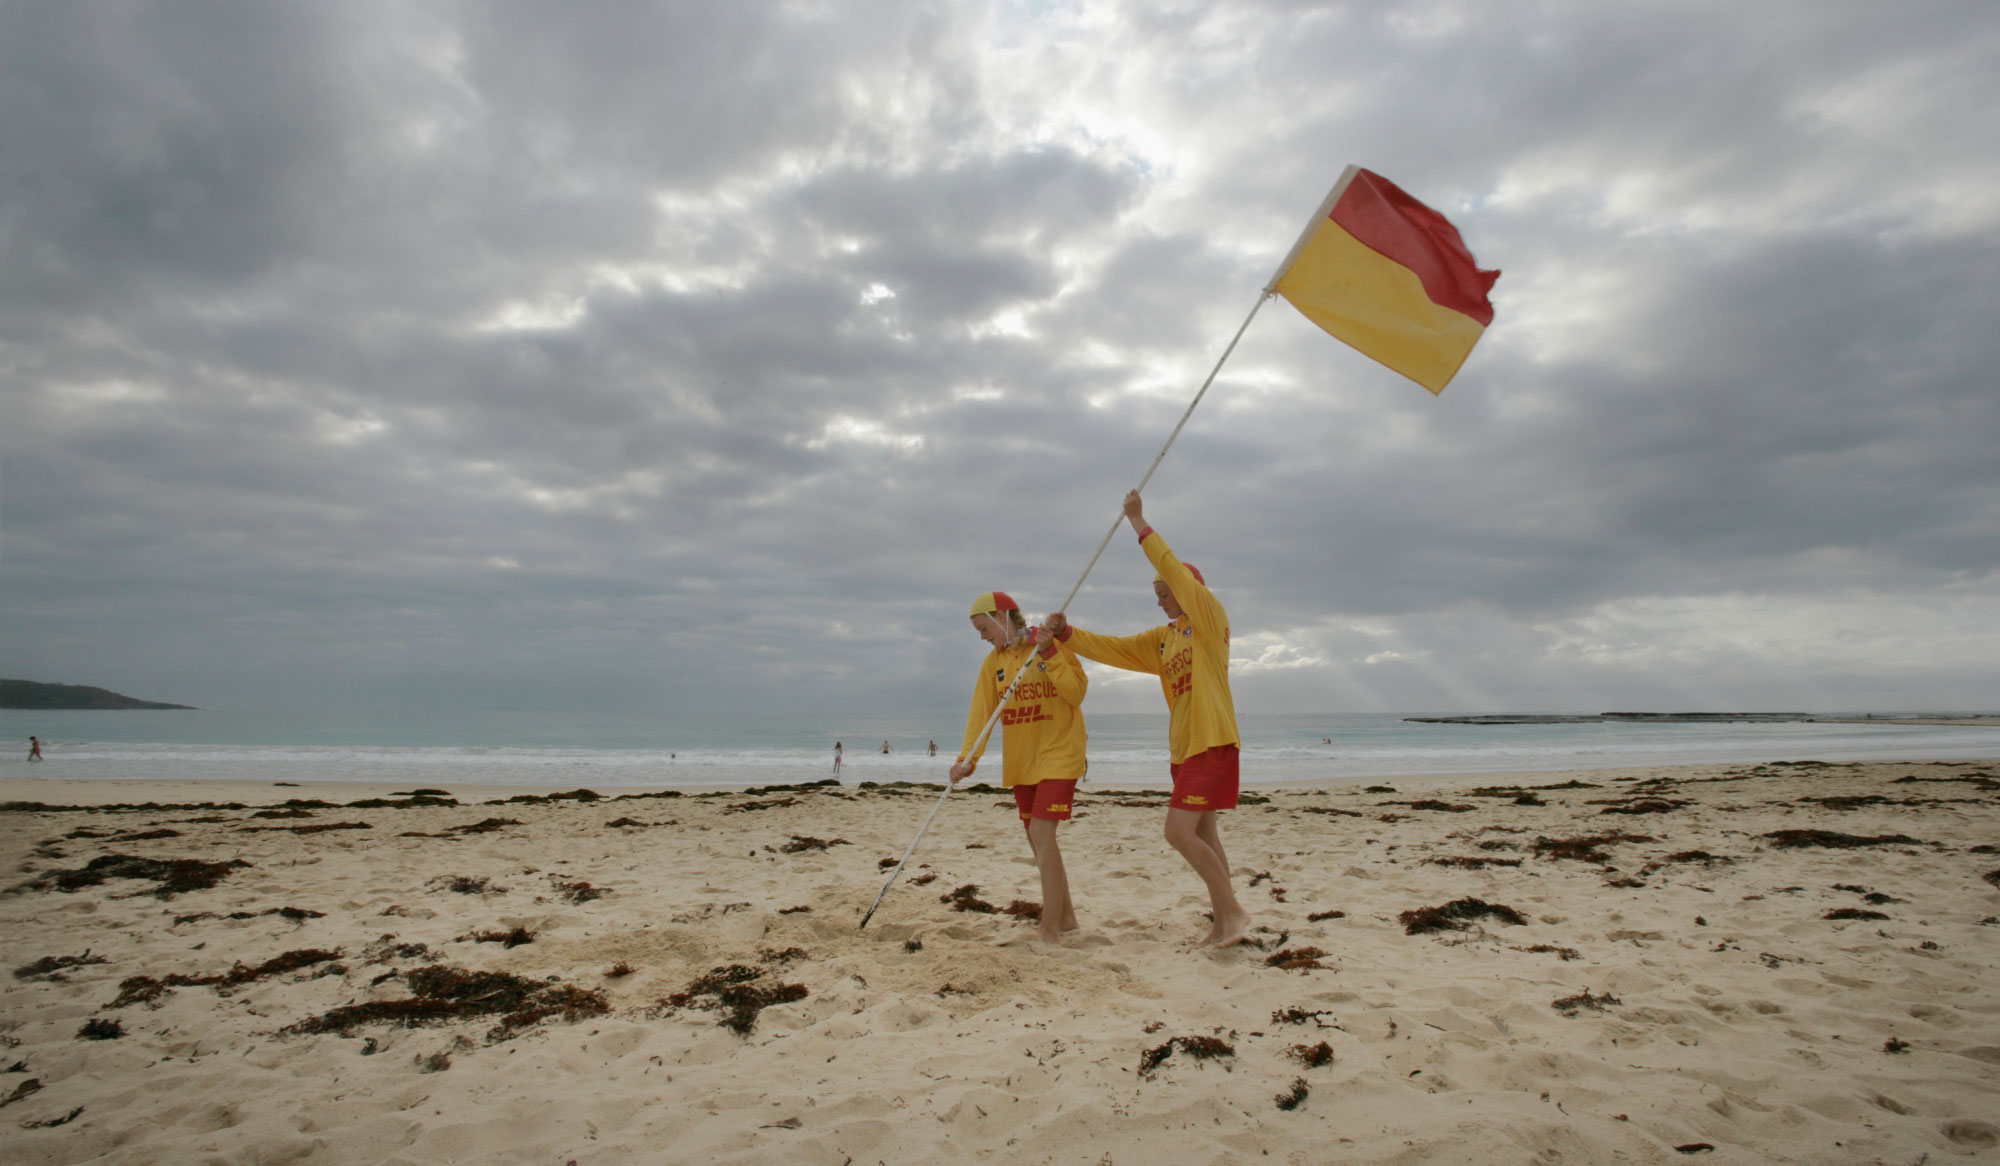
column 31, row 694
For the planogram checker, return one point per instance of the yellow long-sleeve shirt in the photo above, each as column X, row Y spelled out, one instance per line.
column 1189, row 655
column 1042, row 733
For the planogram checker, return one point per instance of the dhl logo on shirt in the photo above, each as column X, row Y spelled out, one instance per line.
column 1021, row 715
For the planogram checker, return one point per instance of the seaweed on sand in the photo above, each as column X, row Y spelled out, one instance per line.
column 1561, row 953
column 966, row 898
column 576, row 890
column 801, row 843
column 1296, row 959
column 1201, row 1048
column 145, row 989
column 1853, row 913
column 1295, row 1096
column 734, row 991
column 100, row 1029
column 50, row 966
column 465, row 885
column 1452, row 916
column 441, row 993
column 743, row 807
column 1584, row 848
column 175, row 875
column 1471, row 863
column 1646, row 806
column 1569, row 1005
column 1311, row 1056
column 1434, row 804
column 484, row 826
column 509, row 939
column 1832, row 839
column 575, row 795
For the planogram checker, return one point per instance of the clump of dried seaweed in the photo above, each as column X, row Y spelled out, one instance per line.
column 1434, row 804
column 1853, row 913
column 966, row 898
column 1471, row 863
column 100, row 1029
column 175, row 875
column 1832, row 839
column 50, row 967
column 1317, row 916
column 1295, row 1096
column 1562, row 953
column 733, row 990
column 1300, row 1016
column 575, row 795
column 1453, row 916
column 484, row 826
column 1311, row 1056
column 441, row 993
column 745, row 807
column 465, row 885
column 514, row 938
column 801, row 843
column 1569, row 1005
column 1201, row 1048
column 145, row 835
column 295, row 914
column 145, row 989
column 1584, row 848
column 576, row 890
column 1645, row 806
column 1296, row 959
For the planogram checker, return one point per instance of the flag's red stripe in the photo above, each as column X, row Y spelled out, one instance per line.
column 1378, row 213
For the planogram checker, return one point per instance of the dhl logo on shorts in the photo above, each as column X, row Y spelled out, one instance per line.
column 1195, row 800
column 1058, row 807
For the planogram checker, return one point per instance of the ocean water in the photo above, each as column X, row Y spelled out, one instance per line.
column 609, row 751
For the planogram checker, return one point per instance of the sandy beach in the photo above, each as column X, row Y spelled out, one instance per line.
column 1788, row 962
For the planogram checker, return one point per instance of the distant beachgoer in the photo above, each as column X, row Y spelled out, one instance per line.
column 1042, row 740
column 933, row 748
column 836, row 759
column 1190, row 655
column 34, row 748
column 885, row 746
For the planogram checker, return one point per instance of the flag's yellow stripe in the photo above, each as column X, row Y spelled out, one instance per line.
column 1378, row 306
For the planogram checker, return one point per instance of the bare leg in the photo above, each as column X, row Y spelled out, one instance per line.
column 1185, row 833
column 1057, row 914
column 1210, row 834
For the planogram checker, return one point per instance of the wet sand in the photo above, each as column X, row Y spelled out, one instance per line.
column 1756, row 963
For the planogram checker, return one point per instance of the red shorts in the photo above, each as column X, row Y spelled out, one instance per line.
column 1045, row 799
column 1206, row 781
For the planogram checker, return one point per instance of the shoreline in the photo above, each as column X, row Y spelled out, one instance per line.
column 98, row 791
column 1783, row 962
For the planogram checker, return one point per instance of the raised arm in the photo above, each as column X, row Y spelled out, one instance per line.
column 1137, row 653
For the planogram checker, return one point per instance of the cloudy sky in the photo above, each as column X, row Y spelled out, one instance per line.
column 701, row 356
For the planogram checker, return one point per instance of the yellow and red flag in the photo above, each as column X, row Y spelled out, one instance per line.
column 1390, row 277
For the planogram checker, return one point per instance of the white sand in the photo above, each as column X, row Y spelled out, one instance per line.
column 1745, row 1019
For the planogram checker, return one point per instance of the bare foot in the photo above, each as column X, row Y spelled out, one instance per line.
column 1228, row 931
column 1052, row 937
